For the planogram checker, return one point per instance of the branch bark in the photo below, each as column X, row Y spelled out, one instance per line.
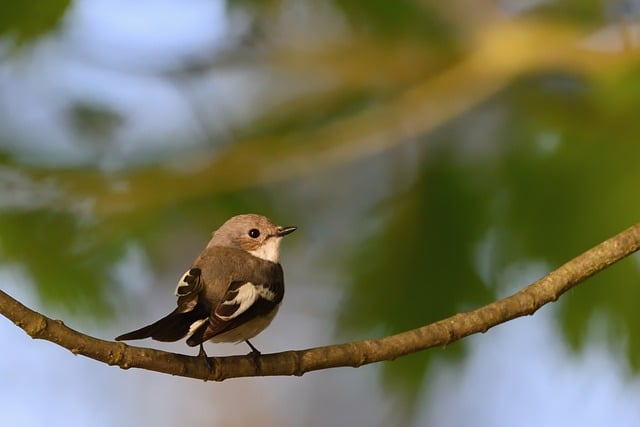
column 525, row 302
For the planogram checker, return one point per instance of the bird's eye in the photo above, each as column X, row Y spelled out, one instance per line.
column 254, row 233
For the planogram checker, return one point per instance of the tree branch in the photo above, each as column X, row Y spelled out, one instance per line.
column 443, row 332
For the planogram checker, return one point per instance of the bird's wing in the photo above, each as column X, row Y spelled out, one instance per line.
column 240, row 297
column 242, row 302
column 187, row 290
column 251, row 293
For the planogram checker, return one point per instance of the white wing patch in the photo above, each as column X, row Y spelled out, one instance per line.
column 246, row 297
column 266, row 293
column 181, row 284
column 188, row 282
column 195, row 325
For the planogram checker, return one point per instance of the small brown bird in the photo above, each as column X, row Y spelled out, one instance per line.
column 233, row 289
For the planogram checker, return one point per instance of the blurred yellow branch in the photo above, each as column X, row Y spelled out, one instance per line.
column 503, row 53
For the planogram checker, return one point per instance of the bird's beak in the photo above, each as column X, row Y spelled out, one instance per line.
column 283, row 231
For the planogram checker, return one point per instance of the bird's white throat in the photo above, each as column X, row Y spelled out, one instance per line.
column 269, row 250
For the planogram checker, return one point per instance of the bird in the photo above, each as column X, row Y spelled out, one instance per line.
column 231, row 292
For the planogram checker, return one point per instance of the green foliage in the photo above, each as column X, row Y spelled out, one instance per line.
column 419, row 268
column 27, row 20
column 69, row 262
column 557, row 185
column 567, row 201
column 393, row 18
column 581, row 12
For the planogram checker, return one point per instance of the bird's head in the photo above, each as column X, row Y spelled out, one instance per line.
column 253, row 233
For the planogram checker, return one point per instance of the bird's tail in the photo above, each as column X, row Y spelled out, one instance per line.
column 172, row 327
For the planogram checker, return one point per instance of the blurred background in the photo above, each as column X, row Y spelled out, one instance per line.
column 434, row 155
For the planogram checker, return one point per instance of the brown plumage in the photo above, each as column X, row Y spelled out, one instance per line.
column 233, row 289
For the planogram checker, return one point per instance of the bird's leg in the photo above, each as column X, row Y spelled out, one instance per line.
column 203, row 354
column 255, row 355
column 254, row 350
